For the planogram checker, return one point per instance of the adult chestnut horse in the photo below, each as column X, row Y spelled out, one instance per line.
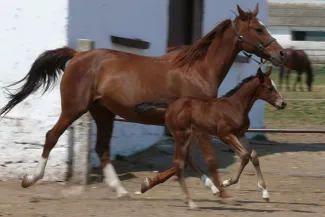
column 107, row 82
column 296, row 60
column 225, row 117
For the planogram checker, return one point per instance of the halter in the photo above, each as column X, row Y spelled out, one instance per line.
column 260, row 47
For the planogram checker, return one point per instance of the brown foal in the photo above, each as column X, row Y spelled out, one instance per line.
column 225, row 117
column 107, row 83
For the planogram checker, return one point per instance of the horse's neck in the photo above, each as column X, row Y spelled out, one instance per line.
column 221, row 55
column 245, row 97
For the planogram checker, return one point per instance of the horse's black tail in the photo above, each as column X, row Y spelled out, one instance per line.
column 43, row 73
column 310, row 75
column 146, row 106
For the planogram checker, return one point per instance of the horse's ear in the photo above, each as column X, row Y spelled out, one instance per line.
column 267, row 74
column 260, row 74
column 255, row 12
column 241, row 13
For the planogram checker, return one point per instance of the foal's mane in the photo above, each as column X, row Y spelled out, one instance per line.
column 235, row 89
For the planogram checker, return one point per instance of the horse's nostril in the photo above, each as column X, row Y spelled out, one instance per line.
column 284, row 104
column 282, row 54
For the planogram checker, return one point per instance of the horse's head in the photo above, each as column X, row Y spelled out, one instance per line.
column 267, row 90
column 254, row 37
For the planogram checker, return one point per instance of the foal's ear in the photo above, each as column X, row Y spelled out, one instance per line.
column 267, row 74
column 241, row 13
column 260, row 74
column 255, row 12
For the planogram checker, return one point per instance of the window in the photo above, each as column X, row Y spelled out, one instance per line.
column 308, row 36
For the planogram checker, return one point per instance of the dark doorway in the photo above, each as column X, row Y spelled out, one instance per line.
column 185, row 21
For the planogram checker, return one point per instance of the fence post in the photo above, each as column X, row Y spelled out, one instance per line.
column 80, row 139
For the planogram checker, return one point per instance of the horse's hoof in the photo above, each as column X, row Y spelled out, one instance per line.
column 192, row 206
column 266, row 199
column 145, row 185
column 27, row 181
column 124, row 196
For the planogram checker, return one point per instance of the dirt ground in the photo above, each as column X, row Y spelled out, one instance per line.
column 294, row 173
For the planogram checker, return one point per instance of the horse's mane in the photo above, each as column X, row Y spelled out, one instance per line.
column 191, row 53
column 234, row 90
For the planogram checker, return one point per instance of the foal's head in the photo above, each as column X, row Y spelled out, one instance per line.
column 267, row 90
column 255, row 38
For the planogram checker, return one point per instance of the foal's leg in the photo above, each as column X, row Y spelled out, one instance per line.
column 261, row 183
column 254, row 159
column 149, row 183
column 234, row 143
column 182, row 140
column 189, row 159
column 104, row 121
column 209, row 157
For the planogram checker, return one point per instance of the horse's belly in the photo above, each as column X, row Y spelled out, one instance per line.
column 126, row 111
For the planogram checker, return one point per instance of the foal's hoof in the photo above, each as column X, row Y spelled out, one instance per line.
column 28, row 180
column 225, row 183
column 145, row 185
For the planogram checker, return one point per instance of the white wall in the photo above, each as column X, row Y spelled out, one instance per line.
column 315, row 49
column 148, row 22
column 216, row 12
column 27, row 29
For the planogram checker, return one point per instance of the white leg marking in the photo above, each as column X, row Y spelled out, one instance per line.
column 265, row 194
column 226, row 183
column 38, row 174
column 192, row 205
column 209, row 184
column 113, row 181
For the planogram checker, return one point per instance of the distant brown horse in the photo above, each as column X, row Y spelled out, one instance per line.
column 225, row 117
column 297, row 60
column 107, row 83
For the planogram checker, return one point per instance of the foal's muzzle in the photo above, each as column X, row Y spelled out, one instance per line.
column 282, row 106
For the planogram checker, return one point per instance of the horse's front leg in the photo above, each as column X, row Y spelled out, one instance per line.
column 209, row 157
column 204, row 178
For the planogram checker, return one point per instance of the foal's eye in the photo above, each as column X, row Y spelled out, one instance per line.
column 270, row 89
column 259, row 30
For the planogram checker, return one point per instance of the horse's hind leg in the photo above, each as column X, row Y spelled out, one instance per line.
column 104, row 121
column 287, row 79
column 261, row 183
column 67, row 117
column 298, row 80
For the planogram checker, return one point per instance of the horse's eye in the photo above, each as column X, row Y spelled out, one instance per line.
column 259, row 30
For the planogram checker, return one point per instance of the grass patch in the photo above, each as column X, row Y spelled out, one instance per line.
column 299, row 113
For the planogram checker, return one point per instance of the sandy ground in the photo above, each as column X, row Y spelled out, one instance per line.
column 294, row 173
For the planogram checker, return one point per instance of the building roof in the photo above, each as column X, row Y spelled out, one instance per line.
column 296, row 14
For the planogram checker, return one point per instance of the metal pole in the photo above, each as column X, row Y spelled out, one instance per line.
column 275, row 130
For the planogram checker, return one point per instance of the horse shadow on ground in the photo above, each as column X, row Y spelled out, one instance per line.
column 159, row 157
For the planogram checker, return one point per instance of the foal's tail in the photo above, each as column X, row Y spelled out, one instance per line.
column 43, row 73
column 146, row 106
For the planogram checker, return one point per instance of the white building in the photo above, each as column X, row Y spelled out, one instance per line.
column 30, row 27
column 299, row 24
